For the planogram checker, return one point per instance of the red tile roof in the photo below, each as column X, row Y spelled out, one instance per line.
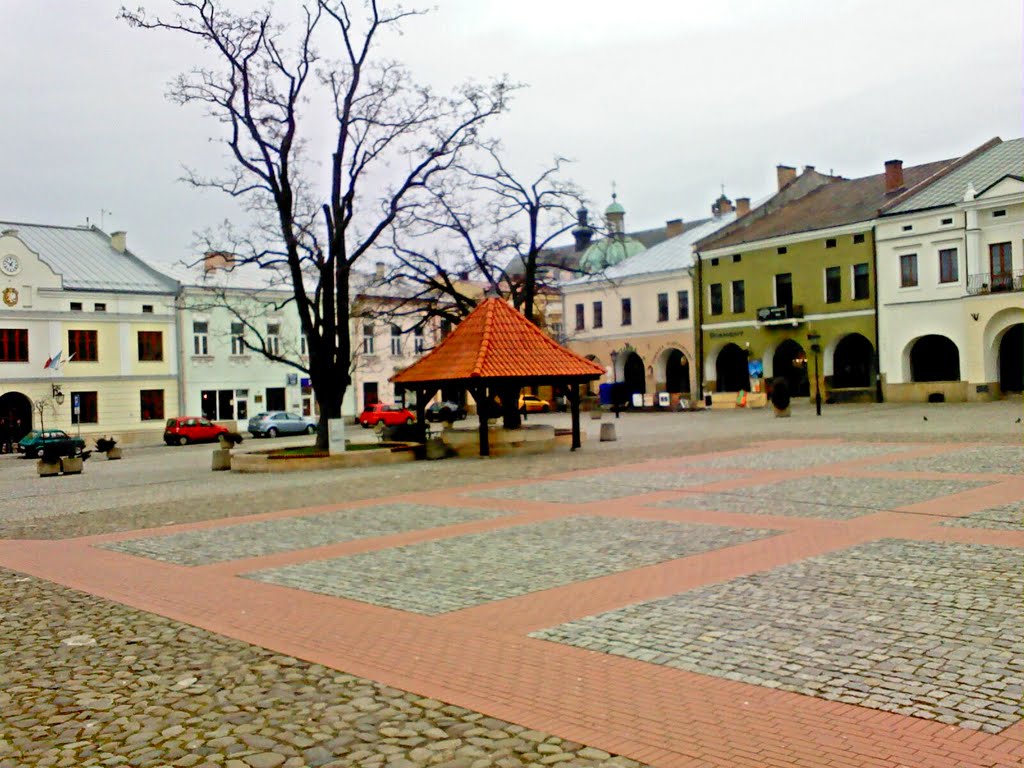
column 497, row 342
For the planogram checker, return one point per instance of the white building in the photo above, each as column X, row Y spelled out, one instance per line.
column 950, row 258
column 78, row 297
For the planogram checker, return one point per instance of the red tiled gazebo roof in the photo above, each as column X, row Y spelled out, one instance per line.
column 497, row 342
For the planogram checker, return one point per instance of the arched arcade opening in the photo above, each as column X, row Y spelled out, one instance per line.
column 16, row 414
column 790, row 363
column 1011, row 359
column 634, row 374
column 934, row 358
column 731, row 372
column 853, row 362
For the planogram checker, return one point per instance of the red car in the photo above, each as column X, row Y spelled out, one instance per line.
column 388, row 414
column 191, row 429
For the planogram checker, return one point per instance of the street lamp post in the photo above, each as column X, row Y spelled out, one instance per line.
column 815, row 338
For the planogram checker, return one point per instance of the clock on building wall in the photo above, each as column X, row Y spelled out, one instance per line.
column 10, row 265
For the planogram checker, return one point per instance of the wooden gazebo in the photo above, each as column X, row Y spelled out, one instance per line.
column 495, row 350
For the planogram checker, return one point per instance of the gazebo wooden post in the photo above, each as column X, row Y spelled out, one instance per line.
column 482, row 404
column 573, row 394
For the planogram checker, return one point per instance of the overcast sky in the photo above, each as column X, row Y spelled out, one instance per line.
column 671, row 99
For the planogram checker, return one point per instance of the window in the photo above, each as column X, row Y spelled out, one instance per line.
column 367, row 338
column 274, row 338
column 446, row 327
column 739, row 298
column 82, row 346
column 782, row 250
column 151, row 404
column 147, row 309
column 76, row 306
column 151, row 346
column 716, row 299
column 99, row 307
column 737, row 257
column 662, row 307
column 908, row 270
column 946, row 222
column 949, row 265
column 627, row 312
column 830, row 242
column 908, row 227
column 396, row 340
column 419, row 341
column 303, row 347
column 861, row 289
column 714, row 262
column 237, row 339
column 598, row 314
column 13, row 345
column 784, row 289
column 580, row 318
column 997, row 214
column 683, row 302
column 201, row 338
column 858, row 238
column 87, row 410
column 833, row 285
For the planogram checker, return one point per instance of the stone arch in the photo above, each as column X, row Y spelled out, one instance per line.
column 995, row 329
column 672, row 367
column 16, row 411
column 933, row 358
column 634, row 374
column 790, row 363
column 1011, row 359
column 853, row 362
column 731, row 372
column 591, row 387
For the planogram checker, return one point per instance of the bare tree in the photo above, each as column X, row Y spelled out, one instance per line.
column 488, row 225
column 391, row 138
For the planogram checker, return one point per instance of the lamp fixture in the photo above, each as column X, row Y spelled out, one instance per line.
column 57, row 395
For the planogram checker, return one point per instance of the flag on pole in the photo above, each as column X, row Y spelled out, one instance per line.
column 54, row 362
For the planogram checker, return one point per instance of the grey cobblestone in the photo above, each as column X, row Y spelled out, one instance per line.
column 451, row 574
column 120, row 701
column 604, row 487
column 1008, row 517
column 799, row 457
column 836, row 498
column 995, row 459
column 265, row 537
column 921, row 628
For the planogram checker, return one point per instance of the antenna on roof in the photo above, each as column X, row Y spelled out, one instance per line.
column 103, row 214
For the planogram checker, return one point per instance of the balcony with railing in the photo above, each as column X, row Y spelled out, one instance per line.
column 1002, row 282
column 783, row 314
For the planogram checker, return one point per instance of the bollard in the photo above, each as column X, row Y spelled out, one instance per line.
column 608, row 432
column 113, row 454
column 221, row 459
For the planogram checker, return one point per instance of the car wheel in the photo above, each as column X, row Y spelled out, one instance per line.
column 32, row 453
column 310, row 430
column 410, row 420
column 545, row 409
column 364, row 424
column 272, row 432
column 182, row 440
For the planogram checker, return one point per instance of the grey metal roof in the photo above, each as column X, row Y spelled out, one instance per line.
column 982, row 172
column 86, row 261
column 672, row 254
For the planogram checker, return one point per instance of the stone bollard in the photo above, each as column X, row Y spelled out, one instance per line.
column 781, row 414
column 436, row 449
column 71, row 465
column 221, row 459
column 608, row 432
column 114, row 454
column 47, row 468
column 596, row 414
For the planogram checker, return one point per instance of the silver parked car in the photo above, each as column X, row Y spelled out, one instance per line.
column 274, row 423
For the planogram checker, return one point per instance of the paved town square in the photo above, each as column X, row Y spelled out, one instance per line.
column 717, row 589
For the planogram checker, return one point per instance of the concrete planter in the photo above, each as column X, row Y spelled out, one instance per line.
column 221, row 459
column 262, row 462
column 114, row 454
column 71, row 465
column 783, row 413
column 48, row 469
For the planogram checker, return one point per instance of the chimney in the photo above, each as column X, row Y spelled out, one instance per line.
column 721, row 206
column 463, row 275
column 742, row 206
column 583, row 232
column 784, row 174
column 380, row 270
column 216, row 260
column 808, row 168
column 674, row 228
column 119, row 241
column 893, row 175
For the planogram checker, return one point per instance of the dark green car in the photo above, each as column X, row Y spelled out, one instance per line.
column 63, row 444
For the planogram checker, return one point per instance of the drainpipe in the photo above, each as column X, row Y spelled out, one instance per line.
column 697, row 284
column 874, row 280
column 179, row 320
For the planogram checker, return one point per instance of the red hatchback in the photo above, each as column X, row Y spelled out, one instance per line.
column 191, row 429
column 390, row 415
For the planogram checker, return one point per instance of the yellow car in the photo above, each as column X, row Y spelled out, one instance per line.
column 533, row 404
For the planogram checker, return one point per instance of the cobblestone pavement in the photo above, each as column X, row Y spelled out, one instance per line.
column 834, row 498
column 1007, row 517
column 455, row 573
column 988, row 459
column 920, row 628
column 88, row 682
column 612, row 485
column 267, row 537
column 798, row 458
